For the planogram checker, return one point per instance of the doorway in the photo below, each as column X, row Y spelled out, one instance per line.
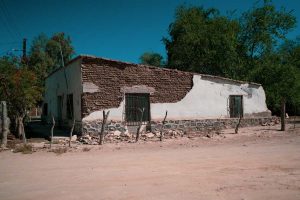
column 236, row 106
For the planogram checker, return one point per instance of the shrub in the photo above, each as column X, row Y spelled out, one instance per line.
column 24, row 148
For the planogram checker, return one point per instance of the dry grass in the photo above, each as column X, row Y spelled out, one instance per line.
column 23, row 148
column 86, row 149
column 60, row 150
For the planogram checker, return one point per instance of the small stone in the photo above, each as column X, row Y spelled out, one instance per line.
column 150, row 135
column 74, row 138
column 117, row 133
column 126, row 134
column 157, row 133
column 88, row 137
column 111, row 128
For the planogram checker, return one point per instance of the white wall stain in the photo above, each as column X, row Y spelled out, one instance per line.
column 89, row 87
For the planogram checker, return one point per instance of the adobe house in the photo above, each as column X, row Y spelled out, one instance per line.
column 88, row 85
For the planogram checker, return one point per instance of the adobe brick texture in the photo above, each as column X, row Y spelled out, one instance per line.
column 110, row 76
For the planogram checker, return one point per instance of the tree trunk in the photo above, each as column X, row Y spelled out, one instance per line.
column 5, row 124
column 283, row 114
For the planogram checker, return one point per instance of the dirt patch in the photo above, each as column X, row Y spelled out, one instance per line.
column 257, row 163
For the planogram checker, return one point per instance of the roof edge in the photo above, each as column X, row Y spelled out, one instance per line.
column 85, row 57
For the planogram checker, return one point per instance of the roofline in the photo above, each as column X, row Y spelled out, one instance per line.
column 83, row 56
column 66, row 65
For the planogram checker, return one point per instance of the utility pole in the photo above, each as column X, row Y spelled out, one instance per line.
column 24, row 58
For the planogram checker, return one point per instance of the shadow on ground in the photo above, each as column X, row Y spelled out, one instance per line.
column 38, row 129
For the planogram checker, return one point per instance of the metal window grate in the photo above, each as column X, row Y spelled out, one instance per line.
column 134, row 103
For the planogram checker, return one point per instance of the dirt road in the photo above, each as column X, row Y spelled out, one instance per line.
column 258, row 163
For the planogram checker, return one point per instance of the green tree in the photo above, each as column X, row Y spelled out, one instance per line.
column 60, row 47
column 39, row 61
column 47, row 54
column 280, row 79
column 262, row 27
column 290, row 55
column 201, row 40
column 19, row 87
column 150, row 58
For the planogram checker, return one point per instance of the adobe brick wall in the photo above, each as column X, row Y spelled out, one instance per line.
column 110, row 76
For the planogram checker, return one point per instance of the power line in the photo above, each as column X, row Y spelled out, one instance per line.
column 11, row 23
column 9, row 43
column 7, row 27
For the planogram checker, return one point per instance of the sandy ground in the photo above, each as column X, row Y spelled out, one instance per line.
column 258, row 163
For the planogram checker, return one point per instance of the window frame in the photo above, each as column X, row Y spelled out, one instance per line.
column 232, row 112
column 137, row 100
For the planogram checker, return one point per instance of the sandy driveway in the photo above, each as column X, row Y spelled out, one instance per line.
column 258, row 163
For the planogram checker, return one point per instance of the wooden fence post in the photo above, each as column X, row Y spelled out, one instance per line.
column 140, row 125
column 162, row 127
column 5, row 124
column 71, row 132
column 238, row 125
column 52, row 128
column 105, row 116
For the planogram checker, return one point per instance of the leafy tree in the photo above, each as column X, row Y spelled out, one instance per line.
column 39, row 61
column 262, row 27
column 58, row 47
column 280, row 79
column 203, row 41
column 19, row 87
column 154, row 59
column 290, row 55
column 46, row 54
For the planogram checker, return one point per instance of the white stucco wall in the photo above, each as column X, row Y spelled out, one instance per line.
column 56, row 85
column 207, row 99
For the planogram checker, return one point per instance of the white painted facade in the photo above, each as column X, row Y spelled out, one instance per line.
column 206, row 99
column 56, row 85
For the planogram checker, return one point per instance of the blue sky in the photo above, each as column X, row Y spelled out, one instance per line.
column 115, row 29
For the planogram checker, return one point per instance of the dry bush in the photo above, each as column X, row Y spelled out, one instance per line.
column 86, row 149
column 24, row 148
column 60, row 150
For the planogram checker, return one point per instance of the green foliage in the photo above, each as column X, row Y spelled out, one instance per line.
column 263, row 26
column 202, row 41
column 18, row 86
column 45, row 54
column 279, row 79
column 153, row 59
column 60, row 44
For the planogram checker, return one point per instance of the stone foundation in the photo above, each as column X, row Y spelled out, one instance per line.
column 203, row 125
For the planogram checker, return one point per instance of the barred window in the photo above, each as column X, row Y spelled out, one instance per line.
column 134, row 103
